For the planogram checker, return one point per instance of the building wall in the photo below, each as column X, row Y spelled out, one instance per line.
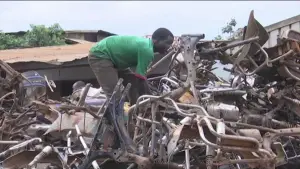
column 277, row 29
column 95, row 36
column 75, row 36
column 88, row 36
column 100, row 37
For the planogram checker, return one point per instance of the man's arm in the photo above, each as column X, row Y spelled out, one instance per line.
column 145, row 57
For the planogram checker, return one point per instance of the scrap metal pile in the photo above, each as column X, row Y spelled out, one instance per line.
column 193, row 120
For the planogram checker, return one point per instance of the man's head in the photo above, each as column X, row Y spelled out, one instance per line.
column 78, row 85
column 162, row 40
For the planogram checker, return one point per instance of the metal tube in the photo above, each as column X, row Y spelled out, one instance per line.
column 200, row 36
column 155, row 78
column 149, row 97
column 238, row 138
column 21, row 145
column 230, row 45
column 178, row 109
column 266, row 62
column 45, row 152
column 290, row 52
column 9, row 142
column 86, row 149
column 84, row 94
column 160, row 61
column 7, row 94
column 218, row 89
column 153, row 113
column 187, row 154
column 136, row 130
column 168, row 80
column 228, row 148
column 195, row 106
column 290, row 73
column 147, row 120
column 69, row 145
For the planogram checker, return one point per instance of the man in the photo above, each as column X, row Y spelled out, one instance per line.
column 111, row 57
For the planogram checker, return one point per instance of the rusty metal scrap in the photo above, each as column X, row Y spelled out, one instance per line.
column 193, row 119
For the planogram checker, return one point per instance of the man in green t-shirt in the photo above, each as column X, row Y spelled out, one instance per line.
column 111, row 57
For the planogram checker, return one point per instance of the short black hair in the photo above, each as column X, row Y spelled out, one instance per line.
column 163, row 34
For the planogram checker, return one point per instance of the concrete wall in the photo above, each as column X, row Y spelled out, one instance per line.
column 71, row 73
column 100, row 37
column 88, row 36
column 92, row 36
column 277, row 29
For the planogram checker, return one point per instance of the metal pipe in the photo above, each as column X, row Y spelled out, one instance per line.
column 178, row 109
column 290, row 52
column 33, row 141
column 187, row 154
column 228, row 148
column 168, row 80
column 45, row 152
column 156, row 78
column 84, row 94
column 153, row 114
column 195, row 106
column 149, row 98
column 136, row 130
column 222, row 136
column 200, row 36
column 160, row 61
column 147, row 120
column 290, row 74
column 69, row 145
column 7, row 94
column 86, row 149
column 212, row 90
column 230, row 45
column 266, row 62
column 9, row 142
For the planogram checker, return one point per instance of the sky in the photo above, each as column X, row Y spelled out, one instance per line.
column 140, row 17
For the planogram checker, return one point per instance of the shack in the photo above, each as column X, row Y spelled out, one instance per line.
column 63, row 64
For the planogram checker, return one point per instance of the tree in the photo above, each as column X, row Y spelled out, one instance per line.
column 11, row 41
column 229, row 29
column 219, row 37
column 37, row 36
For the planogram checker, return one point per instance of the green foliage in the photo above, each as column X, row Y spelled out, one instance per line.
column 11, row 42
column 229, row 29
column 219, row 37
column 37, row 36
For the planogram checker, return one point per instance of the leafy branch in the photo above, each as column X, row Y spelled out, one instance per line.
column 37, row 36
column 229, row 29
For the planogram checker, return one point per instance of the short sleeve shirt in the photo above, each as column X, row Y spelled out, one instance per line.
column 126, row 51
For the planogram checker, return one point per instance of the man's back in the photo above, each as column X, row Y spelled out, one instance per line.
column 123, row 51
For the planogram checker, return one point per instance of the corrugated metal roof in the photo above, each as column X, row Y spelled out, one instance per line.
column 52, row 55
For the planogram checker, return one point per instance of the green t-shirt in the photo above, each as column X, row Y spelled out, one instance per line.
column 126, row 51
